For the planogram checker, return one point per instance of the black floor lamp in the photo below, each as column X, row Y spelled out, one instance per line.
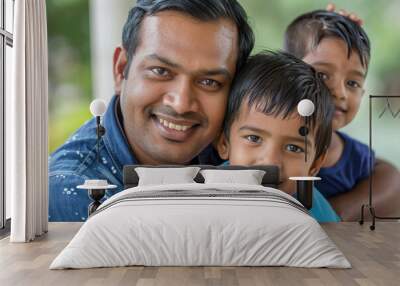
column 394, row 114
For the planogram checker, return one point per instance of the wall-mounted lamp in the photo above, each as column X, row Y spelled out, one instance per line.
column 97, row 188
column 98, row 108
column 305, row 185
column 305, row 108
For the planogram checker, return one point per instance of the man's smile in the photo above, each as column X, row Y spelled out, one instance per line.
column 174, row 129
column 171, row 125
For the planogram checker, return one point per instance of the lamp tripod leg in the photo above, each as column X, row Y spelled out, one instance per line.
column 372, row 211
column 361, row 221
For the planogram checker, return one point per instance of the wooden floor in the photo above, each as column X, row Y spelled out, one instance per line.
column 374, row 255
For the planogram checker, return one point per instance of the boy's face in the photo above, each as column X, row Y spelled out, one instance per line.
column 259, row 139
column 344, row 77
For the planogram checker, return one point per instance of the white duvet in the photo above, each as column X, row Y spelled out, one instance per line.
column 201, row 224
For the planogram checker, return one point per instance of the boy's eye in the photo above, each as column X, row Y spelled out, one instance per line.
column 353, row 84
column 210, row 83
column 294, row 148
column 159, row 71
column 323, row 76
column 253, row 138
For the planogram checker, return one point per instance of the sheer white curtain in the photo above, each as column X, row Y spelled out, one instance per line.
column 26, row 117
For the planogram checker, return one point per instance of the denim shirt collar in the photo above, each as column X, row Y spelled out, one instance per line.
column 114, row 138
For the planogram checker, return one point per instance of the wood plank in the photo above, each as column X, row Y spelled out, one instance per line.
column 375, row 257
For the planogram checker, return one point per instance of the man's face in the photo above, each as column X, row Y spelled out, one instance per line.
column 174, row 99
column 259, row 139
column 343, row 76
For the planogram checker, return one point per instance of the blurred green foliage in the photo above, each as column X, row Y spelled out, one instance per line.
column 70, row 84
column 66, row 123
column 70, row 67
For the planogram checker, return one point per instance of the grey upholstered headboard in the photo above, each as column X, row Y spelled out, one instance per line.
column 270, row 179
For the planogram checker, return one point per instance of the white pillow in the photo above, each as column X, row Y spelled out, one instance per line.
column 162, row 176
column 248, row 177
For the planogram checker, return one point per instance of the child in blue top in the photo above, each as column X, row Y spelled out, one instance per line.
column 262, row 125
column 339, row 49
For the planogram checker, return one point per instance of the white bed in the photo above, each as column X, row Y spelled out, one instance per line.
column 201, row 224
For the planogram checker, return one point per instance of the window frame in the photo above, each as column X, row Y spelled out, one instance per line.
column 6, row 39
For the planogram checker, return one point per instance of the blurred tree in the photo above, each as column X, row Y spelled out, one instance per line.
column 70, row 89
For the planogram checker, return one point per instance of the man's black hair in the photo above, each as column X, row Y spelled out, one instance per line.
column 306, row 32
column 274, row 83
column 204, row 10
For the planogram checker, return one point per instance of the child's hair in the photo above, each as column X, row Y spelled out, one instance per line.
column 274, row 83
column 306, row 32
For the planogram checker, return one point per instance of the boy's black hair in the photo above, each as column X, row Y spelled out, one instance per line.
column 306, row 32
column 274, row 83
column 204, row 10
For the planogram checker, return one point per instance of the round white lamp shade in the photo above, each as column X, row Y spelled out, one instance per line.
column 98, row 107
column 305, row 107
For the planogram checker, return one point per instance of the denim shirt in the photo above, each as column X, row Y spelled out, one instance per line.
column 76, row 161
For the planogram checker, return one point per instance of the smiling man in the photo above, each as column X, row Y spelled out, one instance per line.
column 172, row 77
column 175, row 90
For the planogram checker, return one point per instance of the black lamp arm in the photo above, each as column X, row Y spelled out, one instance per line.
column 100, row 131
